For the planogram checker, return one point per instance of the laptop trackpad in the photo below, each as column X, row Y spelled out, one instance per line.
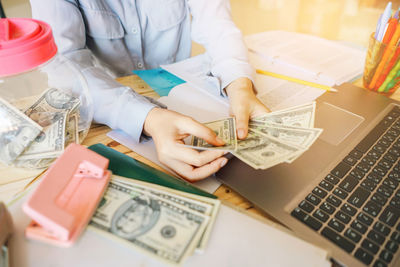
column 337, row 123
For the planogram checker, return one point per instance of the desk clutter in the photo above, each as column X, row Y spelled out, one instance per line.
column 280, row 136
column 130, row 221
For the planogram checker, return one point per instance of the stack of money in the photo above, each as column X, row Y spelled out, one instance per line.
column 166, row 224
column 35, row 130
column 280, row 136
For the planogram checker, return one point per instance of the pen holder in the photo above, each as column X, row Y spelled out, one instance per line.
column 382, row 67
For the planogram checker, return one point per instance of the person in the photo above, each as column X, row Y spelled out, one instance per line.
column 108, row 38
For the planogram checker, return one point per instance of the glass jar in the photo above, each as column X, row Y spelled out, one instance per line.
column 44, row 98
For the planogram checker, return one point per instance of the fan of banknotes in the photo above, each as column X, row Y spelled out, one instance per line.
column 35, row 130
column 280, row 136
column 166, row 224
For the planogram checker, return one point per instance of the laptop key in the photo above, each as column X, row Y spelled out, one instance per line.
column 386, row 256
column 390, row 158
column 381, row 228
column 359, row 174
column 372, row 208
column 394, row 175
column 338, row 239
column 350, row 160
column 341, row 169
column 394, row 151
column 348, row 209
column 365, row 219
column 379, row 170
column 374, row 177
column 336, row 225
column 389, row 137
column 313, row 199
column 370, row 161
column 334, row 201
column 363, row 167
column 332, row 179
column 319, row 192
column 395, row 202
column 390, row 215
column 342, row 217
column 327, row 207
column 380, row 199
column 393, row 132
column 348, row 183
column 392, row 246
column 370, row 246
column 379, row 263
column 304, row 205
column 358, row 197
column 352, row 235
column 361, row 228
column 379, row 148
column 325, row 185
column 356, row 154
column 385, row 191
column 385, row 164
column 320, row 215
column 340, row 193
column 377, row 238
column 363, row 256
column 368, row 184
column 307, row 219
column 373, row 154
column 391, row 183
column 395, row 237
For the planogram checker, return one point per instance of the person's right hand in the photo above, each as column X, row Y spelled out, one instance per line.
column 168, row 129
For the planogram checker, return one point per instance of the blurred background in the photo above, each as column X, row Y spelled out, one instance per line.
column 345, row 20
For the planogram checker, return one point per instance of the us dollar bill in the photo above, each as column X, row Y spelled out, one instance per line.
column 50, row 142
column 302, row 116
column 303, row 137
column 203, row 205
column 148, row 223
column 224, row 129
column 262, row 152
column 71, row 130
column 17, row 131
column 52, row 102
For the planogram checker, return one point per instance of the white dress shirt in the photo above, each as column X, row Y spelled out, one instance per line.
column 124, row 35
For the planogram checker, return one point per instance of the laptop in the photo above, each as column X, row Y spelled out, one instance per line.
column 342, row 194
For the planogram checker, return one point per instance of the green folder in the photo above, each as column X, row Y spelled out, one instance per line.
column 123, row 165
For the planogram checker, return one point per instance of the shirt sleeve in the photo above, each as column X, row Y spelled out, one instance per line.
column 115, row 105
column 212, row 27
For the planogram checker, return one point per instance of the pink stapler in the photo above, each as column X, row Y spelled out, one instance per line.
column 66, row 198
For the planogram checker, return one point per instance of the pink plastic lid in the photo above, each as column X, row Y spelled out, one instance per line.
column 24, row 45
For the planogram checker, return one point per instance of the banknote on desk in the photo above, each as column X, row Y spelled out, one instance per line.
column 276, row 137
column 164, row 223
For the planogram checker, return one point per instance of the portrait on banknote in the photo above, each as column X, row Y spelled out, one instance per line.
column 135, row 217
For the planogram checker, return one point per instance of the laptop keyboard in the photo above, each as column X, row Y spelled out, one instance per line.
column 357, row 205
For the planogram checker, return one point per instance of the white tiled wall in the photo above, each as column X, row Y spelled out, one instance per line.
column 17, row 8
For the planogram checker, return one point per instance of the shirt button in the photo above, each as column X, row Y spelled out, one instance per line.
column 140, row 65
column 134, row 30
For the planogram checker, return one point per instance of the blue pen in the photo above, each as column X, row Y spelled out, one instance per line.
column 385, row 17
column 396, row 15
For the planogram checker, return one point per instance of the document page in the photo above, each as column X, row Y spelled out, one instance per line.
column 320, row 57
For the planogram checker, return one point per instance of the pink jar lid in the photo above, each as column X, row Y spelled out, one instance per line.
column 24, row 45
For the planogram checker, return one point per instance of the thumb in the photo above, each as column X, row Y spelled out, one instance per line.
column 190, row 126
column 242, row 124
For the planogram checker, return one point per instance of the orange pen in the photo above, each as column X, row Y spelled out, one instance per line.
column 391, row 28
column 385, row 58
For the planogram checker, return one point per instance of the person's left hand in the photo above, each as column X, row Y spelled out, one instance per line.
column 244, row 104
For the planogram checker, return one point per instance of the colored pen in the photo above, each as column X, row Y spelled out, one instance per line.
column 385, row 17
column 295, row 80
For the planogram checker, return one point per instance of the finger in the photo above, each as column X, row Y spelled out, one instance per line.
column 193, row 174
column 242, row 122
column 195, row 128
column 195, row 158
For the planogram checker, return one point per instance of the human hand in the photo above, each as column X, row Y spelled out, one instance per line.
column 168, row 129
column 244, row 104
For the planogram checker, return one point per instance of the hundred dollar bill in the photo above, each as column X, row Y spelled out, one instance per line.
column 303, row 137
column 262, row 152
column 50, row 142
column 204, row 205
column 52, row 102
column 71, row 131
column 148, row 223
column 225, row 129
column 33, row 163
column 17, row 131
column 302, row 116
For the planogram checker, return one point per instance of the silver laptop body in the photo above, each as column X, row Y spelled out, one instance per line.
column 346, row 117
